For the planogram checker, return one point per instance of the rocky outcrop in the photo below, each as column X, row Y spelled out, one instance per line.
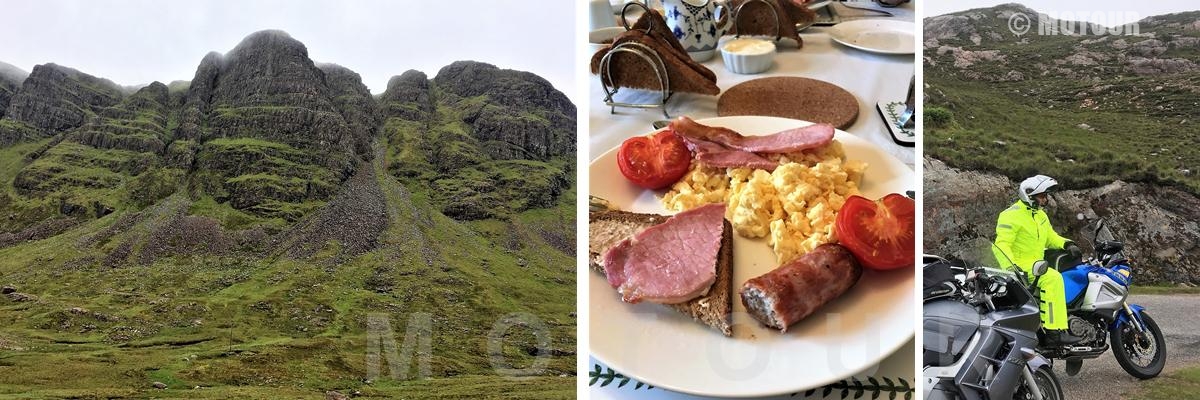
column 270, row 89
column 353, row 100
column 55, row 98
column 138, row 124
column 949, row 26
column 116, row 145
column 408, row 96
column 198, row 98
column 1160, row 226
column 1160, row 66
column 282, row 130
column 521, row 109
column 10, row 80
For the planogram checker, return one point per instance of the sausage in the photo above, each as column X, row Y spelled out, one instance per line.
column 791, row 292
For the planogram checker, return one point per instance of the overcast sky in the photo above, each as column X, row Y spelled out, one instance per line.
column 135, row 42
column 1118, row 11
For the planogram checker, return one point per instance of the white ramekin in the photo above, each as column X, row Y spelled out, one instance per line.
column 748, row 55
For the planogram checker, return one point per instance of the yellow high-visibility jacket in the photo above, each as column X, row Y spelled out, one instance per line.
column 1023, row 234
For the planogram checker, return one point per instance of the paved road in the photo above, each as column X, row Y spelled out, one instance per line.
column 1102, row 378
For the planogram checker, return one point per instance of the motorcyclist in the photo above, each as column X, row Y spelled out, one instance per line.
column 1023, row 233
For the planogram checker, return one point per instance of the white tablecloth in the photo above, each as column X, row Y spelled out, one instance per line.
column 870, row 77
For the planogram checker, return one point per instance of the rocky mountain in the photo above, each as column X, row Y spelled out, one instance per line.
column 10, row 80
column 254, row 220
column 483, row 149
column 1107, row 111
column 1160, row 226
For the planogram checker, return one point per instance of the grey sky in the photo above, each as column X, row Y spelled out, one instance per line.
column 135, row 42
column 1119, row 11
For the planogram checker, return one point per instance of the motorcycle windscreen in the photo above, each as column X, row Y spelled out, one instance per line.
column 947, row 329
column 1075, row 282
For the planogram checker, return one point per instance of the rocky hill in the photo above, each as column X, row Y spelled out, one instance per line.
column 1159, row 225
column 1110, row 114
column 1091, row 108
column 240, row 230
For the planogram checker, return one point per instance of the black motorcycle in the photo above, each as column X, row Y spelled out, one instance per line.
column 981, row 334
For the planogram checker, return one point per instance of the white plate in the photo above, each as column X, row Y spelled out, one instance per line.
column 876, row 35
column 664, row 348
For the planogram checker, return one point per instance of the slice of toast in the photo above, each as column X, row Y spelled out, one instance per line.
column 607, row 228
column 631, row 71
column 756, row 19
column 657, row 25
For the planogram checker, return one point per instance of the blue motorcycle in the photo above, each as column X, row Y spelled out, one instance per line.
column 1097, row 289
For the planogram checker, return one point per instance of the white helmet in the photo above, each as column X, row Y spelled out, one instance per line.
column 1036, row 185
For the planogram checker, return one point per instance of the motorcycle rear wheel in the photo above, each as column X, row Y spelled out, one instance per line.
column 1128, row 349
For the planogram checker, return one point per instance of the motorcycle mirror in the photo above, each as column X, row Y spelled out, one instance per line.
column 1040, row 267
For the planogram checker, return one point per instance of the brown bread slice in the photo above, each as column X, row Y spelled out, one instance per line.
column 659, row 30
column 755, row 19
column 607, row 228
column 633, row 72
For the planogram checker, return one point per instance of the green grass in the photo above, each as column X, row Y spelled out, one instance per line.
column 995, row 132
column 1164, row 290
column 254, row 328
column 1178, row 385
column 231, row 218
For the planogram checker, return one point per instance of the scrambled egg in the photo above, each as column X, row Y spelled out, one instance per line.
column 794, row 207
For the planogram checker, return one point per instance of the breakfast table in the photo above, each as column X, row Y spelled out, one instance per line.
column 870, row 77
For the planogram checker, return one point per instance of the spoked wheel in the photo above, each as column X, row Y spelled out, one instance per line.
column 1141, row 355
column 1047, row 384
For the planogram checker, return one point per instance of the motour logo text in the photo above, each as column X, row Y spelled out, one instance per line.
column 1075, row 23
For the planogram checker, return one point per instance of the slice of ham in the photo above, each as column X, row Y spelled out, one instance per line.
column 671, row 262
column 716, row 155
column 788, row 141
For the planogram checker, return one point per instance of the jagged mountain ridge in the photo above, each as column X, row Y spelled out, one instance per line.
column 269, row 216
column 268, row 131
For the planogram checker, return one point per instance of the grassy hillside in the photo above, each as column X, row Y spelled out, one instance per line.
column 294, row 328
column 1085, row 109
column 991, row 130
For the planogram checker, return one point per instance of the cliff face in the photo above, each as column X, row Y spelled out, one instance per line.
column 269, row 132
column 10, row 80
column 272, row 138
column 55, row 98
column 489, row 141
column 275, row 197
column 522, row 113
column 1158, row 225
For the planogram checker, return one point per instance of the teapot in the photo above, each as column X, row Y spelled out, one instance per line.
column 698, row 24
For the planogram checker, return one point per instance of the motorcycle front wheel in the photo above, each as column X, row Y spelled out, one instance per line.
column 1142, row 356
column 1047, row 384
